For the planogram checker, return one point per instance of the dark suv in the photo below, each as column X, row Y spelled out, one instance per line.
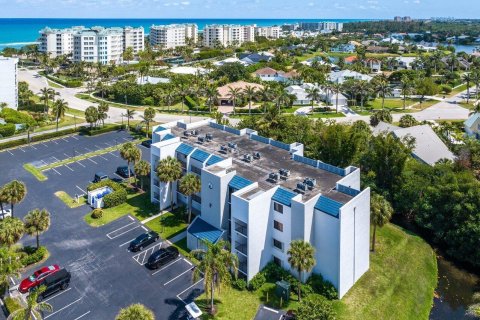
column 161, row 257
column 143, row 241
column 123, row 171
column 57, row 281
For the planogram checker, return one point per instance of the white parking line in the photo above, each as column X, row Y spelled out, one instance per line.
column 108, row 144
column 68, row 167
column 98, row 146
column 55, row 158
column 56, row 171
column 75, row 138
column 55, row 142
column 131, row 218
column 80, row 164
column 127, row 242
column 89, row 150
column 64, row 139
column 46, row 145
column 144, row 228
column 102, row 157
column 113, row 154
column 10, row 152
column 91, row 160
column 66, row 155
column 143, row 255
column 126, row 139
column 33, row 147
column 60, row 293
column 21, row 149
column 193, row 285
column 83, row 315
column 187, row 261
column 181, row 274
column 168, row 265
column 61, row 309
column 81, row 189
column 120, row 234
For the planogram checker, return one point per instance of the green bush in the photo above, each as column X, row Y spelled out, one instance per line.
column 46, row 136
column 97, row 213
column 274, row 273
column 315, row 307
column 322, row 286
column 115, row 198
column 105, row 183
column 446, row 89
column 7, row 130
column 100, row 130
column 240, row 284
column 73, row 83
column 148, row 101
column 16, row 117
column 11, row 304
column 257, row 282
column 33, row 255
column 191, row 104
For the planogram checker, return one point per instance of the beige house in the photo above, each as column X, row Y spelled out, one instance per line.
column 224, row 92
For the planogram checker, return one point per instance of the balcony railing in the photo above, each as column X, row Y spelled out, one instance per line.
column 241, row 247
column 242, row 266
column 241, row 229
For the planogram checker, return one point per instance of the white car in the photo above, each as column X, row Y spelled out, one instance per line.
column 5, row 213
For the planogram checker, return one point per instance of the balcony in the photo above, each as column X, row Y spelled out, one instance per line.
column 242, row 267
column 241, row 228
column 241, row 247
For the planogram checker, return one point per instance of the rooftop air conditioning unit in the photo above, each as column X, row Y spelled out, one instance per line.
column 301, row 187
column 208, row 137
column 310, row 182
column 232, row 145
column 284, row 172
column 223, row 148
column 257, row 155
column 201, row 140
column 273, row 177
column 194, row 133
column 247, row 157
column 187, row 133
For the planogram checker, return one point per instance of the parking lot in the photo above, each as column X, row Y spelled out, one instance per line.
column 105, row 275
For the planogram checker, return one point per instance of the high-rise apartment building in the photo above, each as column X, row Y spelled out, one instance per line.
column 272, row 32
column 173, row 35
column 326, row 26
column 227, row 35
column 9, row 82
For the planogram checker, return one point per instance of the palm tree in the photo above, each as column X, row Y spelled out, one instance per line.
column 37, row 222
column 467, row 78
column 129, row 115
column 382, row 87
column 189, row 185
column 233, row 95
column 301, row 257
column 362, row 87
column 29, row 127
column 130, row 153
column 102, row 111
column 59, row 108
column 147, row 117
column 216, row 261
column 91, row 116
column 15, row 192
column 135, row 312
column 212, row 95
column 250, row 93
column 282, row 98
column 11, row 230
column 335, row 88
column 33, row 308
column 169, row 170
column 169, row 97
column 142, row 169
column 3, row 199
column 183, row 92
column 476, row 81
column 46, row 94
column 313, row 95
column 265, row 95
column 406, row 87
column 381, row 213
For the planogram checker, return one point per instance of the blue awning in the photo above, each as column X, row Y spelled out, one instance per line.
column 204, row 231
column 328, row 206
column 283, row 196
column 238, row 182
column 200, row 155
column 214, row 159
column 185, row 149
column 168, row 136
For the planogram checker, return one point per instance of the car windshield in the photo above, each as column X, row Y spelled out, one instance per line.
column 32, row 278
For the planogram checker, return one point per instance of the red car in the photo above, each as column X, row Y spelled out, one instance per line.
column 36, row 278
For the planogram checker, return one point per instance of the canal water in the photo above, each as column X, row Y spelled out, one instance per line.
column 454, row 291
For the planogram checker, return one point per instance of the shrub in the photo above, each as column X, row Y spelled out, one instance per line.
column 322, row 286
column 191, row 104
column 7, row 130
column 315, row 307
column 240, row 284
column 16, row 117
column 33, row 255
column 274, row 273
column 148, row 101
column 97, row 213
column 115, row 198
column 97, row 131
column 105, row 183
column 257, row 281
column 446, row 89
column 11, row 304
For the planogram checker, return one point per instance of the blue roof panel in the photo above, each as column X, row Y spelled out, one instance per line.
column 214, row 159
column 238, row 182
column 283, row 196
column 202, row 230
column 185, row 149
column 200, row 155
column 160, row 129
column 329, row 206
column 168, row 136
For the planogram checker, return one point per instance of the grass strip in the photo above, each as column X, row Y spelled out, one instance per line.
column 69, row 201
column 35, row 172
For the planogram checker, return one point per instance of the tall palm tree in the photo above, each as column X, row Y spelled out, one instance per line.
column 103, row 111
column 313, row 94
column 169, row 97
column 301, row 257
column 381, row 213
column 406, row 87
column 135, row 312
column 169, row 170
column 382, row 87
column 211, row 93
column 129, row 115
column 33, row 309
column 148, row 116
column 15, row 192
column 233, row 95
column 46, row 94
column 183, row 92
column 37, row 222
column 11, row 230
column 265, row 95
column 142, row 169
column 130, row 153
column 362, row 87
column 467, row 78
column 250, row 93
column 216, row 262
column 476, row 81
column 336, row 88
column 60, row 106
column 282, row 98
column 189, row 185
column 3, row 199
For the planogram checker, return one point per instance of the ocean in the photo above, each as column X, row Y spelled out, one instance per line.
column 19, row 32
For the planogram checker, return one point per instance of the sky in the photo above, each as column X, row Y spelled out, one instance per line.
column 281, row 9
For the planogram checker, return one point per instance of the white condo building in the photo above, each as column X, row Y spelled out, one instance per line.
column 227, row 35
column 260, row 194
column 9, row 82
column 173, row 35
column 272, row 32
column 96, row 44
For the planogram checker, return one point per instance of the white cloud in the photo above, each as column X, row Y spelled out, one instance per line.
column 311, row 4
column 185, row 3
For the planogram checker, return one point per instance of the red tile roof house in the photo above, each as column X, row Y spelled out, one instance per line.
column 224, row 98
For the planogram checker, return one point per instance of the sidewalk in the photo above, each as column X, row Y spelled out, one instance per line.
column 35, row 134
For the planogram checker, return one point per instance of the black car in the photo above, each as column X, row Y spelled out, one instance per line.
column 123, row 171
column 57, row 281
column 147, row 143
column 143, row 241
column 99, row 176
column 161, row 257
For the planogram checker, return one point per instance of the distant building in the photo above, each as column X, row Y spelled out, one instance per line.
column 344, row 48
column 253, row 58
column 472, row 126
column 402, row 19
column 9, row 82
column 173, row 35
column 273, row 32
column 133, row 38
column 227, row 35
column 224, row 98
column 375, row 65
column 344, row 75
column 321, row 26
column 270, row 74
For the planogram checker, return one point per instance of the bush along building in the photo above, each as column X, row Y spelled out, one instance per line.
column 260, row 194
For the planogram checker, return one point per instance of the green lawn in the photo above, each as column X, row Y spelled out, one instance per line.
column 69, row 201
column 168, row 225
column 396, row 105
column 399, row 285
column 138, row 205
column 53, row 84
column 76, row 112
column 66, row 121
column 35, row 172
column 326, row 115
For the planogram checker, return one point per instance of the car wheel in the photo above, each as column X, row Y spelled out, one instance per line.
column 140, row 248
column 64, row 285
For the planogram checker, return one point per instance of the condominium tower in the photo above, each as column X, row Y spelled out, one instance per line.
column 173, row 35
column 227, row 35
column 260, row 194
column 9, row 82
column 272, row 32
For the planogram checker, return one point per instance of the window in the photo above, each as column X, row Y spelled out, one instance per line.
column 278, row 207
column 278, row 244
column 196, row 170
column 277, row 261
column 278, row 225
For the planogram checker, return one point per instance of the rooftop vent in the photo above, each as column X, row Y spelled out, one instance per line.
column 257, row 155
column 232, row 145
column 223, row 148
column 208, row 137
column 273, row 177
column 187, row 133
column 301, row 187
column 194, row 133
column 247, row 157
column 285, row 173
column 201, row 140
column 310, row 182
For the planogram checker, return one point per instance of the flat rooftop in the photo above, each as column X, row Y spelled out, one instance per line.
column 271, row 161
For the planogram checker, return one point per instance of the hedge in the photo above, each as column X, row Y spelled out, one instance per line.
column 117, row 197
column 191, row 104
column 33, row 255
column 69, row 83
column 97, row 131
column 7, row 130
column 46, row 136
column 16, row 117
column 11, row 304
